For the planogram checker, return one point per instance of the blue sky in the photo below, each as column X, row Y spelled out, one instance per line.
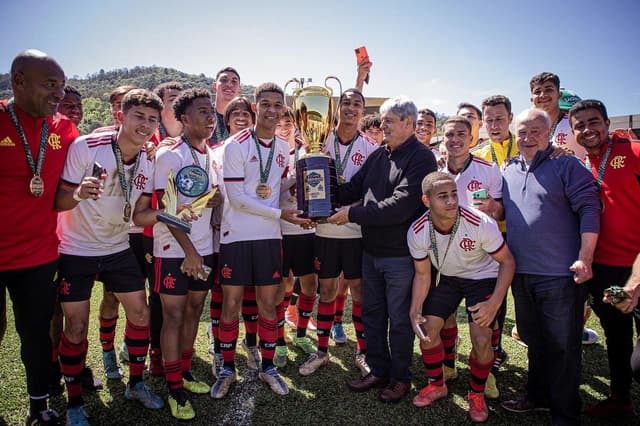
column 438, row 53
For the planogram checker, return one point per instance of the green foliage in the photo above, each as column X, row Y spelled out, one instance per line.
column 96, row 87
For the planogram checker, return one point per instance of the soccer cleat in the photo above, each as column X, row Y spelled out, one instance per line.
column 77, row 416
column 614, row 406
column 194, row 385
column 226, row 377
column 181, row 407
column 253, row 355
column 271, row 377
column 360, row 361
column 478, row 411
column 124, row 354
column 111, row 367
column 589, row 336
column 337, row 334
column 315, row 362
column 217, row 364
column 501, row 358
column 280, row 357
column 291, row 317
column 46, row 417
column 142, row 393
column 449, row 373
column 305, row 344
column 491, row 388
column 429, row 394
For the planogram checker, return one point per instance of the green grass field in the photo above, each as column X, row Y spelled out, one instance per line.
column 319, row 399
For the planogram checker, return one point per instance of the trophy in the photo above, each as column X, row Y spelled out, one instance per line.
column 316, row 180
column 190, row 183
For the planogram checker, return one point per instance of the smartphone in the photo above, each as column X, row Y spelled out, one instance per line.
column 422, row 331
column 480, row 194
column 361, row 56
column 97, row 170
column 207, row 271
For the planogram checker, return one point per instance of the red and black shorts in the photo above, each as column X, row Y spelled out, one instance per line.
column 335, row 255
column 169, row 279
column 119, row 272
column 256, row 262
column 297, row 254
column 444, row 299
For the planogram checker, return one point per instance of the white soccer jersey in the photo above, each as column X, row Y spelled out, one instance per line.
column 480, row 174
column 469, row 257
column 563, row 137
column 247, row 217
column 289, row 200
column 175, row 158
column 97, row 227
column 362, row 148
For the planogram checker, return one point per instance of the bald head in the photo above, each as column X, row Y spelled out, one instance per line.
column 37, row 81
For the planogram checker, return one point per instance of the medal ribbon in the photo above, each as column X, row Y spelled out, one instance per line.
column 264, row 172
column 602, row 166
column 195, row 156
column 221, row 130
column 555, row 124
column 466, row 165
column 341, row 164
column 126, row 186
column 494, row 157
column 36, row 168
column 434, row 243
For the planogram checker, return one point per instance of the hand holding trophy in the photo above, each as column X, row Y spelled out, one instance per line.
column 180, row 216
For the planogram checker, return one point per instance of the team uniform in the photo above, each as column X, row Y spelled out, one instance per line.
column 297, row 242
column 338, row 248
column 29, row 244
column 478, row 174
column 468, row 271
column 221, row 133
column 562, row 136
column 167, row 252
column 250, row 246
column 617, row 248
column 95, row 245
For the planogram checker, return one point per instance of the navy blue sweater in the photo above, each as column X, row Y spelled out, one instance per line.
column 548, row 206
column 390, row 185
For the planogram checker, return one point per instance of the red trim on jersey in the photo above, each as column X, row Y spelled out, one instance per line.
column 471, row 217
column 419, row 224
column 234, row 179
column 243, row 135
column 420, row 260
column 367, row 138
column 499, row 248
column 178, row 144
column 263, row 143
column 481, row 161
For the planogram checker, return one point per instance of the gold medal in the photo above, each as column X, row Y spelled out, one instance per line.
column 341, row 180
column 263, row 191
column 36, row 186
column 126, row 212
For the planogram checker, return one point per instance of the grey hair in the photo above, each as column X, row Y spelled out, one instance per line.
column 401, row 106
column 531, row 114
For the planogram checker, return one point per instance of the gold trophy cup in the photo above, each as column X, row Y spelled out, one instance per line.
column 316, row 180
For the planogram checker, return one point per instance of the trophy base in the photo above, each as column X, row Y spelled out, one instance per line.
column 174, row 222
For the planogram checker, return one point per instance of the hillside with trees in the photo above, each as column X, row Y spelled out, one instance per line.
column 95, row 89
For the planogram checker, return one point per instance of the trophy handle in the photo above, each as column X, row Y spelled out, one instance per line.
column 293, row 80
column 331, row 77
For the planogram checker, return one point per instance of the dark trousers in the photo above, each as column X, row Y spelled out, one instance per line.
column 618, row 327
column 32, row 293
column 635, row 361
column 549, row 314
column 386, row 298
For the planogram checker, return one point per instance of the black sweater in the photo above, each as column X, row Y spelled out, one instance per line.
column 390, row 186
